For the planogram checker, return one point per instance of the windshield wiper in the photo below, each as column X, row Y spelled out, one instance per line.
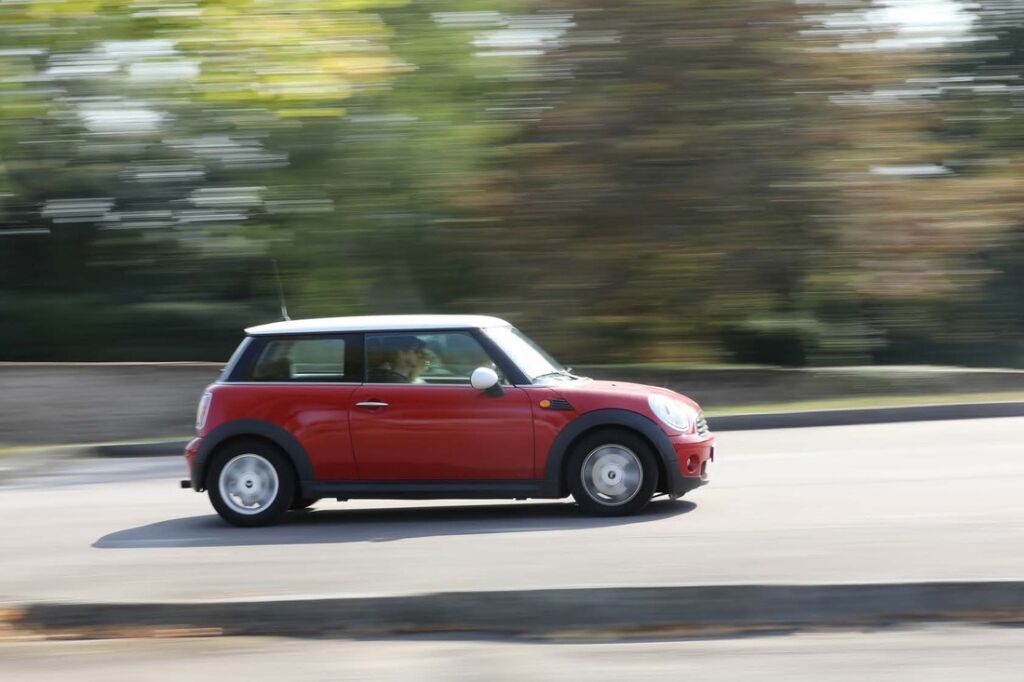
column 557, row 373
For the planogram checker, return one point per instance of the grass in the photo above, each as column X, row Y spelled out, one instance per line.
column 867, row 401
column 868, row 370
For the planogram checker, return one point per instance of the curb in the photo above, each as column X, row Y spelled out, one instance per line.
column 567, row 613
column 870, row 415
column 161, row 448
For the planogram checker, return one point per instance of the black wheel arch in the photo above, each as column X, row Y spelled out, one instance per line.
column 554, row 478
column 250, row 428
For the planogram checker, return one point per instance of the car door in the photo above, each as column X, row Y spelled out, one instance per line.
column 432, row 425
column 304, row 384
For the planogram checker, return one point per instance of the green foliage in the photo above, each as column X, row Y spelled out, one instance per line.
column 652, row 180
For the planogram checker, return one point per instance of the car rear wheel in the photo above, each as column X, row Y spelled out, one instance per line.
column 612, row 473
column 251, row 483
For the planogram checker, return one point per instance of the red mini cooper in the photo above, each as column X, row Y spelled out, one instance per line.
column 438, row 406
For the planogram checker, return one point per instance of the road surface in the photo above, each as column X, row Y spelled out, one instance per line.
column 946, row 654
column 882, row 503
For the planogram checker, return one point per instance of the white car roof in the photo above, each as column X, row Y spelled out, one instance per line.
column 377, row 323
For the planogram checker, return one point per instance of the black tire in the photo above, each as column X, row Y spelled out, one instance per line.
column 262, row 458
column 619, row 446
column 303, row 503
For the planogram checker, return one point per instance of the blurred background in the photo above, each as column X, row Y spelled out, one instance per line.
column 776, row 182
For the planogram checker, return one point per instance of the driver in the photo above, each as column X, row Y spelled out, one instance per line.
column 399, row 360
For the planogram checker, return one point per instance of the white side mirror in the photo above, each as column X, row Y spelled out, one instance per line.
column 483, row 378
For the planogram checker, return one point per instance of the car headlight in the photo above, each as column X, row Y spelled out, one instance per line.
column 674, row 413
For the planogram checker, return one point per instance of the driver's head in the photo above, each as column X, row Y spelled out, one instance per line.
column 409, row 354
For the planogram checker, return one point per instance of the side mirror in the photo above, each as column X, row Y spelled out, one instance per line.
column 486, row 379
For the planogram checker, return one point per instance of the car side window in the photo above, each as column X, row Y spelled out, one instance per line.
column 425, row 358
column 300, row 359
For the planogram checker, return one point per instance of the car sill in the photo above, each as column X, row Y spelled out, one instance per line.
column 419, row 490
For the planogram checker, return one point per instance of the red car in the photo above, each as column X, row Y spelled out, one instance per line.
column 439, row 406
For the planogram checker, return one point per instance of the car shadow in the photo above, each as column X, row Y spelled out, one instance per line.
column 379, row 525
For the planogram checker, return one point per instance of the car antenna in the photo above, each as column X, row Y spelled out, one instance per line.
column 280, row 292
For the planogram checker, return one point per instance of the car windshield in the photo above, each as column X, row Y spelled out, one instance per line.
column 527, row 355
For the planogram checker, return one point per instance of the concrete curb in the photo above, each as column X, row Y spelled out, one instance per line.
column 871, row 415
column 596, row 612
column 161, row 448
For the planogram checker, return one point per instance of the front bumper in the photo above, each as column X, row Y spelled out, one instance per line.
column 692, row 462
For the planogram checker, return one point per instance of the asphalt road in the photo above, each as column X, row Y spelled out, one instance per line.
column 935, row 654
column 881, row 503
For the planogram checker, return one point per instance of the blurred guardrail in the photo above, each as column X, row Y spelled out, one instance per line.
column 54, row 403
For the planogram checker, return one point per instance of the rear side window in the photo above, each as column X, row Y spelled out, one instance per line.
column 298, row 359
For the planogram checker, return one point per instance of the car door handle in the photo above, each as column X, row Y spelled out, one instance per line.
column 371, row 403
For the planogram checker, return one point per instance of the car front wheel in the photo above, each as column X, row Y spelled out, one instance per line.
column 612, row 473
column 251, row 483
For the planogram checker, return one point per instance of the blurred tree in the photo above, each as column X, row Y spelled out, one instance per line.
column 937, row 221
column 762, row 181
column 407, row 162
column 153, row 155
column 661, row 205
column 982, row 100
column 749, row 181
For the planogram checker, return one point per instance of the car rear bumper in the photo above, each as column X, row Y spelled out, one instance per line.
column 191, row 450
